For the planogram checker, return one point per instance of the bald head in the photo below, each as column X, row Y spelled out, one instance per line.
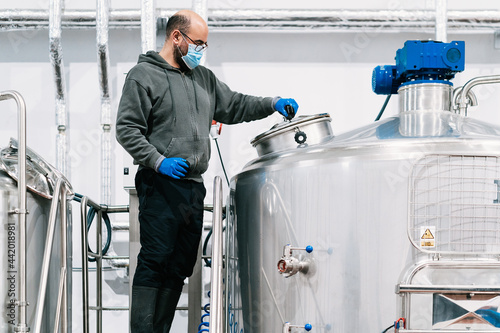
column 188, row 22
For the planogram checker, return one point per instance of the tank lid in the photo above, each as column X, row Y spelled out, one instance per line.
column 301, row 131
column 41, row 177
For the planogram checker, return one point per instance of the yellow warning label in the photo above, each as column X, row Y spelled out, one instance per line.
column 427, row 239
column 427, row 234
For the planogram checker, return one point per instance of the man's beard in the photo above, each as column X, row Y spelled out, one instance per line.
column 178, row 58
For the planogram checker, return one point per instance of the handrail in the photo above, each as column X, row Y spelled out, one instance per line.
column 216, row 293
column 59, row 194
column 22, row 325
column 85, row 265
column 85, row 203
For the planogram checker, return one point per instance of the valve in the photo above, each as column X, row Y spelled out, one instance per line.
column 287, row 327
column 215, row 129
column 400, row 323
column 289, row 265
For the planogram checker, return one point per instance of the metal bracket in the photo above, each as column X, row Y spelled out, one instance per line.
column 497, row 200
column 19, row 211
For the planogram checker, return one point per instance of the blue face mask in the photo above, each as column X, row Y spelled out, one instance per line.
column 193, row 57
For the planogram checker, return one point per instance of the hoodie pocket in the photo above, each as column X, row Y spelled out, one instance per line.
column 195, row 150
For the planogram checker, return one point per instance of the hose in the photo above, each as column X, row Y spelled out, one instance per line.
column 204, row 323
column 388, row 328
column 383, row 107
column 90, row 218
column 208, row 262
column 221, row 162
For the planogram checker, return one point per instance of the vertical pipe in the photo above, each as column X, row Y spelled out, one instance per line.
column 441, row 20
column 46, row 256
column 60, row 301
column 56, row 59
column 22, row 325
column 201, row 8
column 85, row 266
column 148, row 25
column 102, row 27
column 216, row 293
column 64, row 260
column 98, row 262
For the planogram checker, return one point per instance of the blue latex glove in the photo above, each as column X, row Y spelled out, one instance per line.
column 287, row 107
column 174, row 167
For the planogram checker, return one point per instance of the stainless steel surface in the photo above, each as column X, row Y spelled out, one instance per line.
column 303, row 131
column 60, row 302
column 448, row 289
column 47, row 255
column 471, row 99
column 425, row 97
column 65, row 287
column 22, row 325
column 85, row 265
column 462, row 102
column 134, row 236
column 195, row 291
column 25, row 239
column 98, row 255
column 41, row 177
column 459, row 194
column 217, row 274
column 348, row 198
column 456, row 287
column 273, row 19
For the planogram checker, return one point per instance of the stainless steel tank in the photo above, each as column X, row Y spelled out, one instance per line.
column 321, row 234
column 40, row 179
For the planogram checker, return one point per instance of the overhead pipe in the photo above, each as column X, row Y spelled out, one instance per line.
column 270, row 19
column 102, row 28
column 441, row 21
column 148, row 25
column 56, row 59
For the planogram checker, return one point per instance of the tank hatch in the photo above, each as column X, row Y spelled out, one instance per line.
column 303, row 131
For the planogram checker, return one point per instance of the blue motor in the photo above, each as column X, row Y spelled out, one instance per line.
column 420, row 62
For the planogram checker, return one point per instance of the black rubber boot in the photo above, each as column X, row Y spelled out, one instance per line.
column 142, row 310
column 166, row 303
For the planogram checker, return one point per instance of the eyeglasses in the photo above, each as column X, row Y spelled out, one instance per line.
column 200, row 45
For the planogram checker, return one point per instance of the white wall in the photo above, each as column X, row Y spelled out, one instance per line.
column 324, row 72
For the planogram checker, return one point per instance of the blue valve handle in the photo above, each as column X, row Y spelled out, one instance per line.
column 308, row 327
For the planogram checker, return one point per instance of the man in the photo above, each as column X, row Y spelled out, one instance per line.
column 164, row 117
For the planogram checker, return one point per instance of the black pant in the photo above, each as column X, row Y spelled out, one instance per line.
column 171, row 221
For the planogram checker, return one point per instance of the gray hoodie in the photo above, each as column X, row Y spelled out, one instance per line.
column 164, row 112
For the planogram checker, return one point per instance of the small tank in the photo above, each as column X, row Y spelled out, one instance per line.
column 40, row 180
column 393, row 223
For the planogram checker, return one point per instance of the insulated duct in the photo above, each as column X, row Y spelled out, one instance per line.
column 441, row 20
column 56, row 59
column 102, row 27
column 201, row 8
column 148, row 25
column 270, row 20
